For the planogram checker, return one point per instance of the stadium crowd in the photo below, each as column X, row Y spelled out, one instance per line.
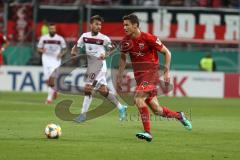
column 199, row 3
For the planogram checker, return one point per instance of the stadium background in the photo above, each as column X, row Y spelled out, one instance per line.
column 189, row 32
column 190, row 28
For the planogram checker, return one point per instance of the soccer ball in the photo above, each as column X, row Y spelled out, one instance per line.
column 53, row 131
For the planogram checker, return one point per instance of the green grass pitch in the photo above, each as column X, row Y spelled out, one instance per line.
column 23, row 117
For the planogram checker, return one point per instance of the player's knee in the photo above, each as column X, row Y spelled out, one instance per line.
column 51, row 81
column 139, row 101
column 88, row 93
column 104, row 91
column 88, row 90
column 47, row 82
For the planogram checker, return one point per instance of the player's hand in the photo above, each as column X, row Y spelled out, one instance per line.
column 166, row 77
column 60, row 56
column 102, row 56
column 41, row 50
column 73, row 53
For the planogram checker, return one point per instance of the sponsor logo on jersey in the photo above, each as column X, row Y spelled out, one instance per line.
column 139, row 53
column 93, row 41
column 51, row 42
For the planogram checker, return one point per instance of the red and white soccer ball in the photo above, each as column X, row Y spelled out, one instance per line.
column 53, row 131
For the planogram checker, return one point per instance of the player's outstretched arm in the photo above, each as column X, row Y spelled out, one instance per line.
column 122, row 65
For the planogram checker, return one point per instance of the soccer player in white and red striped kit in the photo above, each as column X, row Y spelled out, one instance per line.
column 52, row 48
column 97, row 47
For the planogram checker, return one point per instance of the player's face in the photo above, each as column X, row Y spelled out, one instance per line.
column 96, row 26
column 52, row 30
column 129, row 28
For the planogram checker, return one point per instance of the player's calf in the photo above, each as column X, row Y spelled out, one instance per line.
column 112, row 98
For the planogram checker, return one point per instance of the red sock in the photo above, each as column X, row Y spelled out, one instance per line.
column 170, row 114
column 145, row 116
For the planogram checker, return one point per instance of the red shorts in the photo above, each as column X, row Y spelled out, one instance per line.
column 147, row 82
column 1, row 59
column 151, row 90
column 145, row 87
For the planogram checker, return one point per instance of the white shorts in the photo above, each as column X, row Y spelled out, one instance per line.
column 99, row 79
column 47, row 71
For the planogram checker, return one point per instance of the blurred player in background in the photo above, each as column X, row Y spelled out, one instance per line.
column 97, row 47
column 3, row 45
column 52, row 47
column 142, row 49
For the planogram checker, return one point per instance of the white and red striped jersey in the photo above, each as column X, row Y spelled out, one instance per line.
column 52, row 46
column 94, row 47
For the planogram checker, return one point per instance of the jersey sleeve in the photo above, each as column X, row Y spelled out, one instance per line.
column 154, row 42
column 80, row 42
column 40, row 43
column 125, row 45
column 63, row 43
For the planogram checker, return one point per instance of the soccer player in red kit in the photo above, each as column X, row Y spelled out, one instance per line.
column 3, row 45
column 142, row 49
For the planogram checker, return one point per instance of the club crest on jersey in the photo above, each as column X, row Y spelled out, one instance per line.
column 141, row 45
column 139, row 53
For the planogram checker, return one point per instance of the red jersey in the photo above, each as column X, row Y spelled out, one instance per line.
column 144, row 57
column 142, row 51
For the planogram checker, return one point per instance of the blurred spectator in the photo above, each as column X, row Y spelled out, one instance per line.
column 97, row 2
column 54, row 2
column 172, row 3
column 151, row 3
column 203, row 3
column 216, row 3
column 231, row 3
column 207, row 63
column 209, row 3
column 126, row 2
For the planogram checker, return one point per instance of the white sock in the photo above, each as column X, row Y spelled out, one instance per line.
column 86, row 103
column 50, row 93
column 112, row 98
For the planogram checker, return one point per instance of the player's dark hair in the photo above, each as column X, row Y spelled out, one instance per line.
column 132, row 18
column 96, row 17
column 51, row 24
